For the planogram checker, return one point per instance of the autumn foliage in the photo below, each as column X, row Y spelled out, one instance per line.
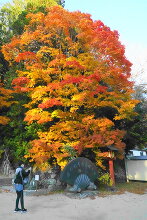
column 5, row 95
column 73, row 69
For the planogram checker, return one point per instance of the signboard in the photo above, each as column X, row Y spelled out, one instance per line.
column 37, row 177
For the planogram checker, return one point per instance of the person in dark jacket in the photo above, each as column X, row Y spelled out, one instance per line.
column 19, row 186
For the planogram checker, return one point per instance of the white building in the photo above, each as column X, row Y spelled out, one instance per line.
column 137, row 153
column 136, row 165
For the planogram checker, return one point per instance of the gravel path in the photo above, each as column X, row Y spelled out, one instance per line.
column 127, row 206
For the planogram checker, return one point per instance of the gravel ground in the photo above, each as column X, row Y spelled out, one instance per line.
column 127, row 206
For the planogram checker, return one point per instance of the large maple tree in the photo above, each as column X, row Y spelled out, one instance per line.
column 5, row 102
column 73, row 70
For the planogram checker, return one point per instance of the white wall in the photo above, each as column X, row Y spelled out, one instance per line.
column 136, row 169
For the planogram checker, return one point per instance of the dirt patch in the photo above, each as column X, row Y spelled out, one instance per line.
column 121, row 188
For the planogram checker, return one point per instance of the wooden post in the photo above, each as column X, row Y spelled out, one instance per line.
column 111, row 170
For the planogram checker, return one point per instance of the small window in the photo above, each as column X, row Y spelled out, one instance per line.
column 141, row 153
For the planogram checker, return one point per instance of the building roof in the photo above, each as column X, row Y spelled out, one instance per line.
column 144, row 149
column 137, row 157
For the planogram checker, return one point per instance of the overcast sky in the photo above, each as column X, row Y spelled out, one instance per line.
column 129, row 18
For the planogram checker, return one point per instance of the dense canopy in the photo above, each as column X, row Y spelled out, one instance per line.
column 76, row 75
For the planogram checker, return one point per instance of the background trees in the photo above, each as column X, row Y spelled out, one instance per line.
column 76, row 78
column 136, row 136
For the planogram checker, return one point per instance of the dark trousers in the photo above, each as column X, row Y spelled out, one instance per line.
column 19, row 198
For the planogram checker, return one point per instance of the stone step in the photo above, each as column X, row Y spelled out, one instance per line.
column 6, row 181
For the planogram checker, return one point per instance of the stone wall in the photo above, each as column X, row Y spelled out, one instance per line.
column 49, row 180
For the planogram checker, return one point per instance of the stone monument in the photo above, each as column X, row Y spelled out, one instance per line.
column 80, row 173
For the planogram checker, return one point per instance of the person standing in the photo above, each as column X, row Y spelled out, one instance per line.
column 20, row 175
